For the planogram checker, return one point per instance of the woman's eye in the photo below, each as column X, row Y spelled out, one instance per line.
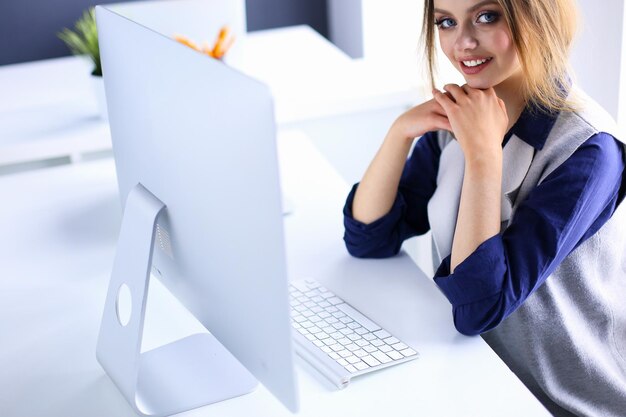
column 487, row 17
column 445, row 23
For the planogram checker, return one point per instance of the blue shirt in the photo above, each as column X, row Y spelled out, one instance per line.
column 569, row 206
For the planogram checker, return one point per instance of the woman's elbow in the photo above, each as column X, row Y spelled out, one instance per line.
column 370, row 251
column 477, row 318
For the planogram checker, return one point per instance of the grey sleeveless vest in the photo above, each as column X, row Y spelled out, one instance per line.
column 567, row 341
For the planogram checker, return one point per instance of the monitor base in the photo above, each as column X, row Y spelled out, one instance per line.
column 189, row 373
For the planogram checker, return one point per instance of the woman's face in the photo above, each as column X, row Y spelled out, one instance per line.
column 476, row 39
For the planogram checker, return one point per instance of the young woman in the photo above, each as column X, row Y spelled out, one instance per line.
column 519, row 176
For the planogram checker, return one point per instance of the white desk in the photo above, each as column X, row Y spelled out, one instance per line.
column 60, row 227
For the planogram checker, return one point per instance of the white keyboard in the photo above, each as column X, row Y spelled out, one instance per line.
column 338, row 340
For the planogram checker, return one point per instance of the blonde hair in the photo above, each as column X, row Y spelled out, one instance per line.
column 542, row 32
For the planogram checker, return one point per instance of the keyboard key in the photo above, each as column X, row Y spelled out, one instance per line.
column 318, row 343
column 307, row 324
column 307, row 313
column 391, row 340
column 360, row 353
column 394, row 355
column 337, row 335
column 361, row 365
column 329, row 342
column 315, row 319
column 304, row 331
column 334, row 355
column 362, row 342
column 335, row 300
column 350, row 368
column 331, row 320
column 295, row 325
column 344, row 353
column 360, row 330
column 303, row 299
column 342, row 362
column 328, row 350
column 324, row 314
column 310, row 304
column 352, row 347
column 377, row 342
column 321, row 335
column 408, row 352
column 381, row 357
column 299, row 319
column 317, row 299
column 369, row 336
column 317, row 309
column 337, row 347
column 315, row 329
column 353, row 359
column 355, row 337
column 370, row 360
column 354, row 325
column 345, row 341
column 382, row 334
column 346, row 320
column 328, row 329
column 331, row 309
column 311, row 337
column 339, row 314
column 399, row 346
column 346, row 331
column 365, row 322
column 311, row 283
column 339, row 325
column 385, row 348
column 369, row 349
column 323, row 304
column 327, row 294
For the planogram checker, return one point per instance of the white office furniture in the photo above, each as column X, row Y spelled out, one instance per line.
column 48, row 109
column 60, row 228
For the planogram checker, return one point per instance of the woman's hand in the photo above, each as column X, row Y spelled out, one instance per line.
column 415, row 122
column 478, row 118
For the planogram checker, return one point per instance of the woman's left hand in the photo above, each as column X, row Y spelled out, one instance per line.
column 478, row 118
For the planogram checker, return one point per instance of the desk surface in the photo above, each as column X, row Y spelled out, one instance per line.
column 61, row 226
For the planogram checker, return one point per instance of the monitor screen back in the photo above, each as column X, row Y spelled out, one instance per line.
column 201, row 137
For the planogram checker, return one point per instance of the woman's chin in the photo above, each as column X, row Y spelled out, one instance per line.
column 478, row 84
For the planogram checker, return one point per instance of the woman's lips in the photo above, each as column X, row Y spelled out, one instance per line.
column 474, row 70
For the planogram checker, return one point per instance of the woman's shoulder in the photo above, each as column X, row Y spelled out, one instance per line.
column 589, row 113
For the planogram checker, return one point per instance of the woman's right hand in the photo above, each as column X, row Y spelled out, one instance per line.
column 417, row 121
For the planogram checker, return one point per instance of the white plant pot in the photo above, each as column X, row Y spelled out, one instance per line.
column 98, row 87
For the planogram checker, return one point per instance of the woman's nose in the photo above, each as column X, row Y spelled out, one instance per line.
column 466, row 39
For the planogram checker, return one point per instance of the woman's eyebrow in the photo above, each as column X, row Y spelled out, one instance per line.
column 471, row 9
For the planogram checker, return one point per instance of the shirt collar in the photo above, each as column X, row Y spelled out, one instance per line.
column 533, row 126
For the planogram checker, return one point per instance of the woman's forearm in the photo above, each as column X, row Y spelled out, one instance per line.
column 377, row 191
column 479, row 209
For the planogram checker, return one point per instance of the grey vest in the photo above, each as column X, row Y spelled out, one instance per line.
column 567, row 341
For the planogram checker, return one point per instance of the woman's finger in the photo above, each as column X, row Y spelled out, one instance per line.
column 444, row 101
column 442, row 123
column 456, row 92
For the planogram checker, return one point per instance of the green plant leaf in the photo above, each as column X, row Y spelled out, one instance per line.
column 83, row 40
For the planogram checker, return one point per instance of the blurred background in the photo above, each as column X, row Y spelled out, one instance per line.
column 28, row 28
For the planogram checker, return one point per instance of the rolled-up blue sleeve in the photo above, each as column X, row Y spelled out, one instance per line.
column 568, row 207
column 408, row 215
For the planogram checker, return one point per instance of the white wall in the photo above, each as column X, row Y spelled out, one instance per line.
column 598, row 53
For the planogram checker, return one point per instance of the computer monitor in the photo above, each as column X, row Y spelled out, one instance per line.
column 196, row 160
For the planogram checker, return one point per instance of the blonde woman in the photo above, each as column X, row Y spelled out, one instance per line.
column 519, row 176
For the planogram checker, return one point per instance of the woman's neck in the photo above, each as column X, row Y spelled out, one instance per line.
column 510, row 91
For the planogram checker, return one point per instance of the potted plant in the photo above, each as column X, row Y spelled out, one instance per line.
column 83, row 40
